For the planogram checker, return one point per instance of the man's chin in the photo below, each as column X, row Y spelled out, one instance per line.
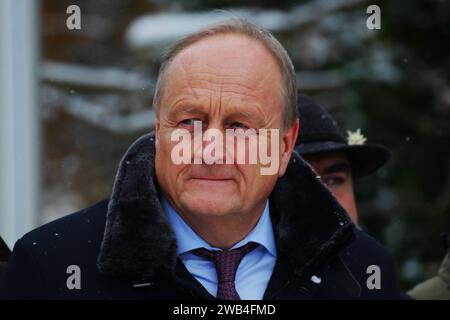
column 213, row 203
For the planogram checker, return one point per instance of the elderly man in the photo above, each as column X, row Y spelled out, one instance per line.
column 206, row 229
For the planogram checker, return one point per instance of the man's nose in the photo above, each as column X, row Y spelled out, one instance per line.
column 212, row 149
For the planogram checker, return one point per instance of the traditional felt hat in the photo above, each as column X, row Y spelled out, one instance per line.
column 319, row 133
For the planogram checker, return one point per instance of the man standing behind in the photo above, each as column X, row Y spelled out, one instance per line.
column 336, row 159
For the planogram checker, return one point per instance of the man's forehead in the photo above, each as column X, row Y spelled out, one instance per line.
column 328, row 159
column 226, row 53
column 213, row 67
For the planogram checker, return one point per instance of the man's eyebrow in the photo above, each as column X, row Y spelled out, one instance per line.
column 247, row 114
column 189, row 108
column 338, row 167
column 185, row 108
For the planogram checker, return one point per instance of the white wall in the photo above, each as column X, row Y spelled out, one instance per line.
column 19, row 118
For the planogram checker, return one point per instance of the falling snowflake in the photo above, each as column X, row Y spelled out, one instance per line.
column 355, row 138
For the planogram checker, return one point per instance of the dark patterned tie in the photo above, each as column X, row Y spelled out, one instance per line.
column 226, row 263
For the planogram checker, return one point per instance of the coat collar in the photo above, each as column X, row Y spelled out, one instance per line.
column 310, row 226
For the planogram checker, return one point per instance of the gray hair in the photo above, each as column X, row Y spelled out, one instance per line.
column 244, row 27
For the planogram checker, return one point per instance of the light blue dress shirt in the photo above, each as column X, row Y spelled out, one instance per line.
column 255, row 269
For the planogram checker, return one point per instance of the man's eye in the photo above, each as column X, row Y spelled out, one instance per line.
column 188, row 122
column 237, row 125
column 333, row 181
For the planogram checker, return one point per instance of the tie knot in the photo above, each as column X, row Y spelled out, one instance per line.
column 226, row 262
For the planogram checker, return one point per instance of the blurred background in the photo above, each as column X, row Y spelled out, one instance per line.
column 72, row 101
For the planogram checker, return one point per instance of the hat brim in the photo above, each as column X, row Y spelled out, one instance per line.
column 364, row 159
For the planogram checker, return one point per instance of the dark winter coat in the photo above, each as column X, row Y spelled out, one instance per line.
column 125, row 248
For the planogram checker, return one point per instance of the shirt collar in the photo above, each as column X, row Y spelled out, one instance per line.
column 188, row 240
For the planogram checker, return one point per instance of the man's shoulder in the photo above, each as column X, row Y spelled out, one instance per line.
column 369, row 247
column 364, row 270
column 370, row 261
column 86, row 224
column 38, row 267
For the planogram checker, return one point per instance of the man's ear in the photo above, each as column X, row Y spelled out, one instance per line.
column 288, row 143
column 157, row 131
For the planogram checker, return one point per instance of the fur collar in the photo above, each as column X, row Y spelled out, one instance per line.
column 310, row 226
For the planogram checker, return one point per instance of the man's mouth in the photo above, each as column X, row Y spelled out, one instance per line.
column 212, row 178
